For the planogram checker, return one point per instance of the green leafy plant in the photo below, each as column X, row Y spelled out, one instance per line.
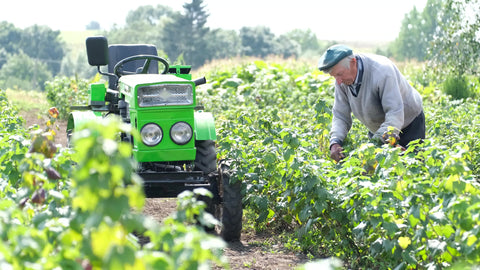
column 63, row 92
column 457, row 87
column 82, row 209
column 382, row 206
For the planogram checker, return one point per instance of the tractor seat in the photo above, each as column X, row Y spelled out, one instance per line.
column 118, row 52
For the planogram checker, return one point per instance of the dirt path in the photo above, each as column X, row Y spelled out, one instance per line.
column 251, row 252
column 35, row 117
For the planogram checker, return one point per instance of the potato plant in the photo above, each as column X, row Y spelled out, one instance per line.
column 63, row 92
column 81, row 208
column 381, row 207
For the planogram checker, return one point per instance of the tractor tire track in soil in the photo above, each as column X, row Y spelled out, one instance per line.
column 253, row 251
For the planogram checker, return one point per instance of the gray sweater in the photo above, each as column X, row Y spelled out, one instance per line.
column 385, row 99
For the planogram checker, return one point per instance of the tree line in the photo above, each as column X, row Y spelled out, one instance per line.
column 445, row 33
column 439, row 34
column 184, row 36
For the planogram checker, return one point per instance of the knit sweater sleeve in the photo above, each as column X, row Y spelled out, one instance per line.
column 342, row 119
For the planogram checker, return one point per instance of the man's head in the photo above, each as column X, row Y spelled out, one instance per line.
column 340, row 63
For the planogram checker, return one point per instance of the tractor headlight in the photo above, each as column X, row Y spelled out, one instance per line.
column 165, row 94
column 151, row 134
column 181, row 133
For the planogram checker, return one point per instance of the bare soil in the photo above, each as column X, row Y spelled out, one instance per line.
column 253, row 251
column 35, row 117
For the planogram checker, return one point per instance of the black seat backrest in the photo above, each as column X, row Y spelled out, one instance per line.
column 118, row 52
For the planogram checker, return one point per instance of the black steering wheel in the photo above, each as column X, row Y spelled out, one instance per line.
column 117, row 70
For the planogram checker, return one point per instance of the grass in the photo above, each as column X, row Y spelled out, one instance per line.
column 75, row 40
column 28, row 101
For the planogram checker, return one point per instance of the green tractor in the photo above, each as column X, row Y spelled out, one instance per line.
column 176, row 148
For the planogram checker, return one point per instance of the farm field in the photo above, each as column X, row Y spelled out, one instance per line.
column 382, row 208
column 254, row 251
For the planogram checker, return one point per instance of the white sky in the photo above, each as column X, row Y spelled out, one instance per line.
column 341, row 20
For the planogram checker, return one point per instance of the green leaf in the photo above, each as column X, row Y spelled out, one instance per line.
column 270, row 158
column 120, row 256
column 288, row 154
column 404, row 242
column 409, row 258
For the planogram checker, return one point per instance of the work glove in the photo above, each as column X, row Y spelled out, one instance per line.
column 336, row 152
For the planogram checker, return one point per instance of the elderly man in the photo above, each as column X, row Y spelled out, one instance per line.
column 373, row 89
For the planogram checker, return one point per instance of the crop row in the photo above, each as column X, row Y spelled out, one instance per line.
column 381, row 207
column 81, row 209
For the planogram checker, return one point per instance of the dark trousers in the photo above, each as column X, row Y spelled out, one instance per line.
column 415, row 130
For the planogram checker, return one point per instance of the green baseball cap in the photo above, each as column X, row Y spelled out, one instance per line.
column 332, row 56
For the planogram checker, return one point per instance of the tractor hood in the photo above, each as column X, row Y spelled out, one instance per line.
column 133, row 80
column 153, row 90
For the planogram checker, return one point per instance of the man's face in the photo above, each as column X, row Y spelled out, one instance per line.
column 343, row 74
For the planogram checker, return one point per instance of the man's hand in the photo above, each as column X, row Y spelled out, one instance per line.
column 392, row 139
column 336, row 152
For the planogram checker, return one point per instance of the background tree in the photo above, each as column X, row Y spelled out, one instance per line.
column 417, row 32
column 257, row 41
column 43, row 44
column 286, row 47
column 308, row 41
column 142, row 25
column 186, row 35
column 149, row 15
column 223, row 44
column 23, row 72
column 9, row 39
column 93, row 25
column 456, row 46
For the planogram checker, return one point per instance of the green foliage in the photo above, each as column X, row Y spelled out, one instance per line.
column 81, row 209
column 43, row 44
column 381, row 207
column 184, row 30
column 10, row 120
column 106, row 189
column 257, row 41
column 457, row 87
column 22, row 72
column 226, row 45
column 13, row 140
column 64, row 92
column 456, row 47
column 9, row 38
column 445, row 34
column 38, row 42
column 417, row 32
column 142, row 26
column 29, row 56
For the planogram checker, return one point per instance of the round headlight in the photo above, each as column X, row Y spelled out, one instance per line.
column 181, row 133
column 151, row 134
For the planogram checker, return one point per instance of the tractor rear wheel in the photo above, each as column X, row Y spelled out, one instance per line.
column 226, row 204
column 230, row 206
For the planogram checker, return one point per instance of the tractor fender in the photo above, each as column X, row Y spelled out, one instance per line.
column 77, row 118
column 204, row 126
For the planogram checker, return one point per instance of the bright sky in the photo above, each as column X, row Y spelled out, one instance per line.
column 341, row 20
